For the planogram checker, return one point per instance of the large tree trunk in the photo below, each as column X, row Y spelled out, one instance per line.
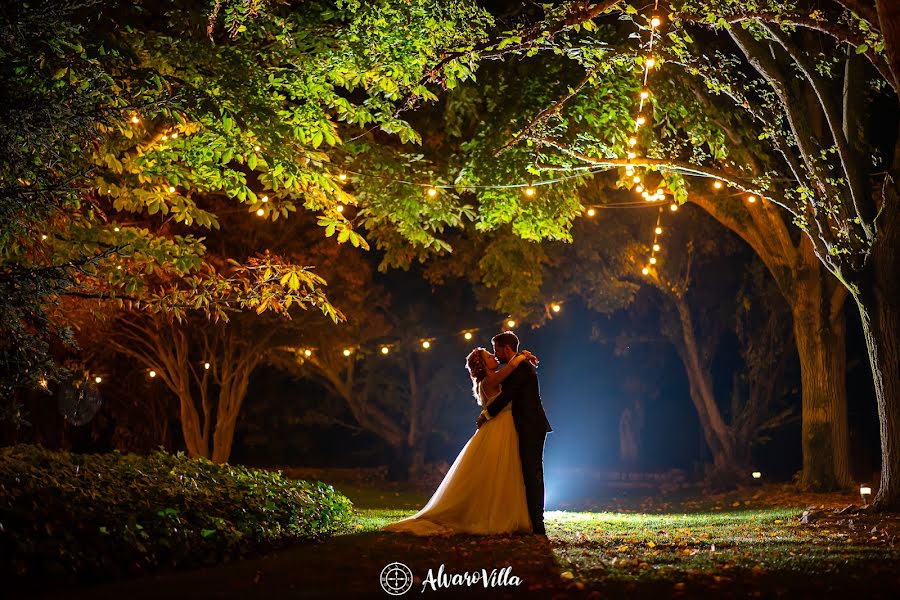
column 878, row 299
column 820, row 335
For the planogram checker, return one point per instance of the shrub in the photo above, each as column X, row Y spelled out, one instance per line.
column 96, row 516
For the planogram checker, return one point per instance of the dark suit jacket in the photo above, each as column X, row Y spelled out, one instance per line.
column 522, row 389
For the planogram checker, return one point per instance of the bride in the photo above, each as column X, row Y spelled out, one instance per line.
column 483, row 492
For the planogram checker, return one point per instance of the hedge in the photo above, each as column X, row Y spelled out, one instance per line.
column 97, row 516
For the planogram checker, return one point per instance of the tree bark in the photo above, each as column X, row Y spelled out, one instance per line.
column 889, row 22
column 877, row 295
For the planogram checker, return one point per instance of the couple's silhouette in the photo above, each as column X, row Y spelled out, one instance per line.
column 496, row 483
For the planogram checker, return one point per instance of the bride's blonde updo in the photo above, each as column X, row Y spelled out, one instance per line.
column 477, row 370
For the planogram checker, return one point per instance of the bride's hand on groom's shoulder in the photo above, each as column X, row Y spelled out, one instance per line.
column 530, row 358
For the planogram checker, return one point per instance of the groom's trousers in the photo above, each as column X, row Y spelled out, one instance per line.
column 531, row 453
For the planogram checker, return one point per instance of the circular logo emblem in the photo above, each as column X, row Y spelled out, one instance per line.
column 396, row 579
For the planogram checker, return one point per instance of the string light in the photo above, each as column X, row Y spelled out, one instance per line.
column 206, row 366
column 307, row 353
column 426, row 344
column 385, row 350
column 641, row 120
column 632, row 141
column 658, row 230
column 645, row 271
column 116, row 229
column 152, row 373
column 43, row 383
column 264, row 199
column 556, row 308
column 756, row 475
column 530, row 191
column 340, row 208
column 468, row 335
column 655, row 21
column 260, row 212
column 98, row 379
column 175, row 135
column 591, row 212
column 751, row 199
column 673, row 207
column 432, row 192
column 651, row 62
column 43, row 236
column 640, row 189
column 636, row 179
column 347, row 352
column 656, row 247
column 511, row 323
column 135, row 119
column 652, row 260
column 256, row 148
column 171, row 189
column 645, row 93
column 717, row 184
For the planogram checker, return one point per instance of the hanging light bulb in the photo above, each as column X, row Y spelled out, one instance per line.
column 347, row 352
column 116, row 229
column 511, row 323
column 641, row 120
column 468, row 335
column 530, row 191
column 385, row 350
column 591, row 212
column 175, row 135
column 751, row 199
column 632, row 141
column 426, row 344
column 135, row 119
column 264, row 199
column 717, row 184
column 342, row 177
column 307, row 352
column 645, row 271
column 260, row 212
column 98, row 379
column 636, row 179
column 152, row 373
column 652, row 260
column 651, row 62
column 655, row 21
column 171, row 189
column 639, row 189
column 656, row 247
column 432, row 192
column 673, row 207
column 658, row 230
column 556, row 308
column 632, row 155
column 256, row 148
column 206, row 366
column 340, row 208
column 645, row 93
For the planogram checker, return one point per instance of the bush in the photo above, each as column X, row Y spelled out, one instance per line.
column 97, row 516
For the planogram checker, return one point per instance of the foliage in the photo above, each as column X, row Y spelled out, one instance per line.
column 91, row 516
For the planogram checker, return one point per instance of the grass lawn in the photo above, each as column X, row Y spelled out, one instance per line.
column 746, row 544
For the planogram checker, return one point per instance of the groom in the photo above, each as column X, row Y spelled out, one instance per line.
column 522, row 389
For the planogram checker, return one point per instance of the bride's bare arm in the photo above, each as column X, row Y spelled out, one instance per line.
column 493, row 379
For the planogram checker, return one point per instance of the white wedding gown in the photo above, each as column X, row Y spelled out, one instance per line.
column 483, row 492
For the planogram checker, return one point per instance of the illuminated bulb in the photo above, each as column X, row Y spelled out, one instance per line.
column 135, row 119
column 432, row 192
column 43, row 383
column 340, row 208
column 426, row 344
column 206, row 366
column 342, row 177
column 175, row 135
column 717, row 184
column 118, row 267
column 591, row 212
column 645, row 94
column 511, row 323
column 655, row 21
column 751, row 199
column 650, row 62
column 529, row 191
column 171, row 189
column 645, row 271
column 756, row 474
column 468, row 335
column 632, row 155
column 646, row 195
column 384, row 350
column 260, row 212
column 307, row 352
column 116, row 229
column 43, row 236
column 639, row 189
column 256, row 148
column 641, row 120
column 658, row 230
column 152, row 373
column 98, row 379
column 556, row 308
column 629, row 170
column 865, row 491
column 656, row 247
column 673, row 207
column 652, row 260
column 264, row 199
column 165, row 137
column 632, row 141
column 637, row 179
column 347, row 352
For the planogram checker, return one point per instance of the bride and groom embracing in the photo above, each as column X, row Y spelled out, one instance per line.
column 496, row 483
